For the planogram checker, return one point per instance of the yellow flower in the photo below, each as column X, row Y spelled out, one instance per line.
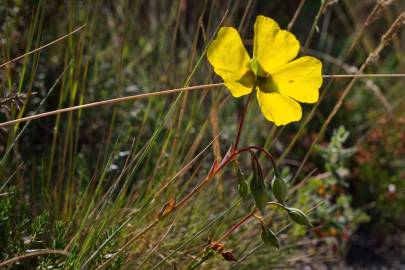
column 280, row 80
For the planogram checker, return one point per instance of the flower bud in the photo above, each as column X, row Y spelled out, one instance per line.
column 243, row 186
column 279, row 188
column 298, row 217
column 258, row 188
column 269, row 238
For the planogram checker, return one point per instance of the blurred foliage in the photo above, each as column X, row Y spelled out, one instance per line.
column 379, row 174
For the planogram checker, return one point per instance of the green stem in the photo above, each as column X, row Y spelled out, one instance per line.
column 279, row 205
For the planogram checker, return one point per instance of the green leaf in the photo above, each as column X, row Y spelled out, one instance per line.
column 269, row 237
column 279, row 188
column 258, row 188
column 298, row 217
column 243, row 186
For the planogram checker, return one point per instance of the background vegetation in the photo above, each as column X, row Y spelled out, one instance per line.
column 77, row 189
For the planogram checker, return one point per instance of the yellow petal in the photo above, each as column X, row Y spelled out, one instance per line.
column 237, row 89
column 228, row 56
column 299, row 79
column 273, row 47
column 278, row 108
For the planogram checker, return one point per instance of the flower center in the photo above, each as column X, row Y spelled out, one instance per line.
column 263, row 79
column 266, row 84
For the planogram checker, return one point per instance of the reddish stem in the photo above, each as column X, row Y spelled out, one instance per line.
column 267, row 153
column 214, row 170
column 242, row 120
